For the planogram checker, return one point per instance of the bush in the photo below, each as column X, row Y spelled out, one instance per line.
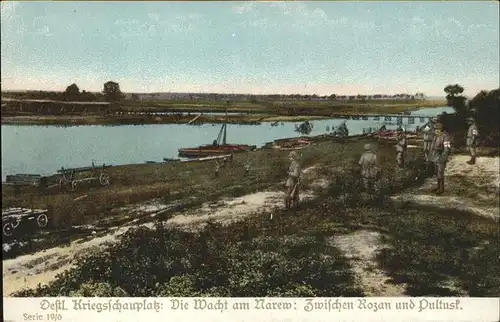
column 484, row 107
column 215, row 262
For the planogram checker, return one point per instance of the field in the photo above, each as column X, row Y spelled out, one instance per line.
column 314, row 108
column 286, row 111
column 177, row 230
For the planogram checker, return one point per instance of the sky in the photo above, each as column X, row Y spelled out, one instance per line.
column 323, row 48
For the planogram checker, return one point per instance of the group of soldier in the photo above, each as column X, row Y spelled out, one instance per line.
column 437, row 148
column 436, row 152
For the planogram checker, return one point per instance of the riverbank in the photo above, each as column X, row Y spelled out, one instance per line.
column 291, row 108
column 355, row 244
column 45, row 149
column 74, row 120
column 136, row 115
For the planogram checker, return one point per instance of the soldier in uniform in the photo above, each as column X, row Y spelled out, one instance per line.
column 344, row 131
column 472, row 134
column 247, row 168
column 428, row 137
column 292, row 184
column 438, row 154
column 217, row 168
column 369, row 168
column 401, row 147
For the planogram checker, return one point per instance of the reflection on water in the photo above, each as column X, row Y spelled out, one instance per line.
column 45, row 149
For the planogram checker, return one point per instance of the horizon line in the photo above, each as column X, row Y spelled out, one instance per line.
column 212, row 93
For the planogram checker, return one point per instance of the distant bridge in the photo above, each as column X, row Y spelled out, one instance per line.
column 53, row 107
column 386, row 117
column 412, row 119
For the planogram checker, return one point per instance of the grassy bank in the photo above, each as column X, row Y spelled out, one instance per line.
column 135, row 183
column 187, row 185
column 291, row 108
column 150, row 119
column 292, row 255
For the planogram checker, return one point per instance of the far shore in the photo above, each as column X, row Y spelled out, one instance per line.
column 247, row 117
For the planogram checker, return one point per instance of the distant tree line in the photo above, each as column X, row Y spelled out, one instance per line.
column 484, row 108
column 277, row 97
column 111, row 92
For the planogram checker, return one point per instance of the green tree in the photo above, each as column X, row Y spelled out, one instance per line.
column 87, row 96
column 72, row 92
column 455, row 99
column 420, row 96
column 112, row 91
column 486, row 108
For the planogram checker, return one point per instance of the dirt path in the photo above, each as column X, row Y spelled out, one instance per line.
column 482, row 183
column 360, row 248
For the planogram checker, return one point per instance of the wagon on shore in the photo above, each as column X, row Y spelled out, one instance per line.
column 72, row 178
column 12, row 218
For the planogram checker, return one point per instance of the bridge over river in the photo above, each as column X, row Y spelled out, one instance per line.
column 399, row 118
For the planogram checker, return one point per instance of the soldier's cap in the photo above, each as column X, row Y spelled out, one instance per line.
column 293, row 155
column 439, row 126
column 369, row 147
column 434, row 119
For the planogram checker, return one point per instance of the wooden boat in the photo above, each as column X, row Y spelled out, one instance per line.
column 392, row 134
column 217, row 157
column 291, row 144
column 169, row 160
column 218, row 147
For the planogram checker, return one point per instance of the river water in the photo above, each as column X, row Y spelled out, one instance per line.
column 45, row 149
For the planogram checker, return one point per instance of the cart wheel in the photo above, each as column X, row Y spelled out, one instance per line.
column 104, row 179
column 73, row 185
column 42, row 220
column 8, row 229
column 15, row 224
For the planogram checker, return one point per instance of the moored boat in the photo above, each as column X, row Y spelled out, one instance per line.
column 213, row 150
column 291, row 144
column 216, row 148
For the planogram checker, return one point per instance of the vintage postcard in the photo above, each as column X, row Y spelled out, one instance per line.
column 250, row 149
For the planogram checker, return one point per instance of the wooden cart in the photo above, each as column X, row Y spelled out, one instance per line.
column 13, row 217
column 72, row 178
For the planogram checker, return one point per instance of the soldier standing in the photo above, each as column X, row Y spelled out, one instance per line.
column 472, row 134
column 428, row 137
column 401, row 147
column 438, row 154
column 369, row 168
column 292, row 184
column 217, row 168
column 247, row 168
